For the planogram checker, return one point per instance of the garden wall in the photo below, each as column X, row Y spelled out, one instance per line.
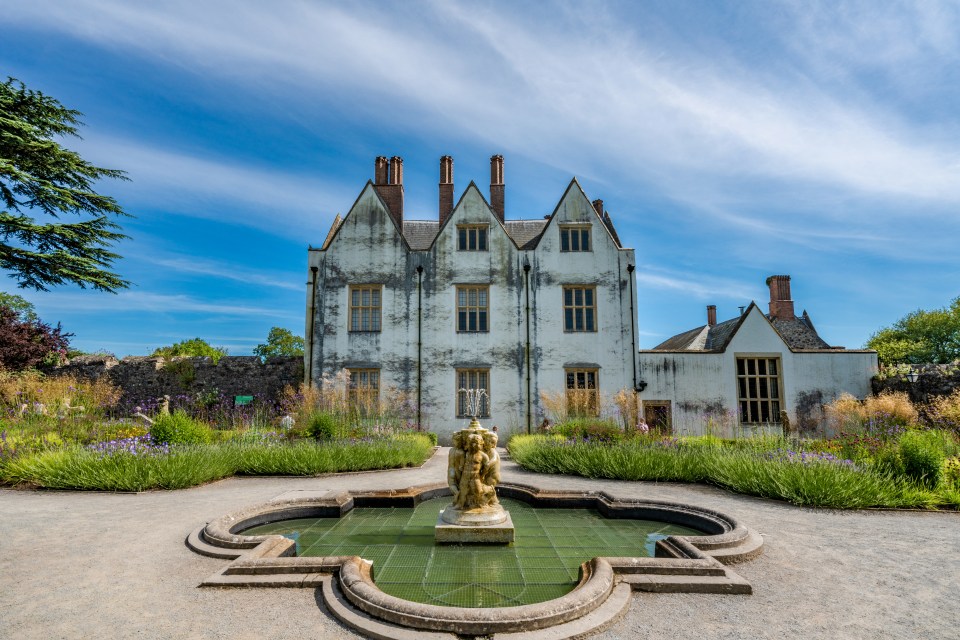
column 145, row 378
column 934, row 380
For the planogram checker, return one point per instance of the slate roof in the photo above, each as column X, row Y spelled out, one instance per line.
column 420, row 233
column 525, row 233
column 797, row 333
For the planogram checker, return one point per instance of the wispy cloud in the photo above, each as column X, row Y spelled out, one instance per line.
column 697, row 285
column 257, row 196
column 626, row 110
column 141, row 301
column 235, row 272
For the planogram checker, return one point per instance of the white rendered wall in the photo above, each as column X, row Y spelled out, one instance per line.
column 702, row 386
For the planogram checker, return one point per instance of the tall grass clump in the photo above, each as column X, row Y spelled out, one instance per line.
column 78, row 467
column 922, row 454
column 310, row 458
column 810, row 479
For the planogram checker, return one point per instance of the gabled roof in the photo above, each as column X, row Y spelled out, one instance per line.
column 421, row 233
column 796, row 333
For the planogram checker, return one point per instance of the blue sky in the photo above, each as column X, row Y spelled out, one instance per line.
column 729, row 141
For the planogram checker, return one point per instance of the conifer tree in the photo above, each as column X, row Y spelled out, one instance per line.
column 40, row 177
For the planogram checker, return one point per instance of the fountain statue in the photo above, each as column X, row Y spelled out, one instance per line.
column 473, row 472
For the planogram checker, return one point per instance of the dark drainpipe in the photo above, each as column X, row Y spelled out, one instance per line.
column 633, row 330
column 419, row 343
column 526, row 288
column 308, row 373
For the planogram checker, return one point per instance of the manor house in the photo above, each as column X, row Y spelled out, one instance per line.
column 466, row 298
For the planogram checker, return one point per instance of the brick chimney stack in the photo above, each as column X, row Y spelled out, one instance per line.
column 446, row 188
column 781, row 304
column 711, row 315
column 598, row 206
column 381, row 169
column 388, row 181
column 496, row 186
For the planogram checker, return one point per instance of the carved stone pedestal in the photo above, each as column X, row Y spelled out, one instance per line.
column 498, row 533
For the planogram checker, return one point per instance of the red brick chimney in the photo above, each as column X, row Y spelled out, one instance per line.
column 446, row 188
column 388, row 180
column 381, row 169
column 598, row 206
column 781, row 304
column 496, row 186
column 711, row 315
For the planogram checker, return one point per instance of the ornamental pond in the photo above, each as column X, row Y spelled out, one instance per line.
column 543, row 563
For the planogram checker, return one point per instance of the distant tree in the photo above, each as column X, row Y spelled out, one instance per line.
column 921, row 337
column 38, row 174
column 196, row 347
column 25, row 343
column 23, row 308
column 280, row 342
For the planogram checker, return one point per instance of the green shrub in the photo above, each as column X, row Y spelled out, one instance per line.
column 179, row 428
column 323, row 426
column 922, row 454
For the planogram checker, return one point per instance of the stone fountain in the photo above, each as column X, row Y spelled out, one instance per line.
column 473, row 472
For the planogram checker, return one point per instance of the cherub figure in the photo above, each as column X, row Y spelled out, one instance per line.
column 471, row 480
column 455, row 465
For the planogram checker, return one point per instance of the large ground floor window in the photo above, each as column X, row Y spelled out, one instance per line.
column 364, row 391
column 469, row 380
column 758, row 390
column 583, row 392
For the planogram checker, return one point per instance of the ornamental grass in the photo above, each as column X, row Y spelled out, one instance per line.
column 807, row 479
column 139, row 463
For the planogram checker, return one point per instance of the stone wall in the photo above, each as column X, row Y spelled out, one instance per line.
column 933, row 380
column 144, row 377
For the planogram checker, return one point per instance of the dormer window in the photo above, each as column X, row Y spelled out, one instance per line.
column 472, row 237
column 575, row 238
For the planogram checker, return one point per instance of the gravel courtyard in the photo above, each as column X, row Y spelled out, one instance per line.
column 85, row 565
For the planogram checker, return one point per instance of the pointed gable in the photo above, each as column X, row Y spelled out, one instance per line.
column 368, row 217
column 575, row 208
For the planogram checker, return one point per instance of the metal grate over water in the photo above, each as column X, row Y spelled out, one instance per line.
column 543, row 563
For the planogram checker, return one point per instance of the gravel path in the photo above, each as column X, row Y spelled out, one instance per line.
column 84, row 565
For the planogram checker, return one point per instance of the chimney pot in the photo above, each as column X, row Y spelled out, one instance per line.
column 497, row 186
column 380, row 170
column 389, row 184
column 446, row 188
column 781, row 303
column 598, row 206
column 711, row 315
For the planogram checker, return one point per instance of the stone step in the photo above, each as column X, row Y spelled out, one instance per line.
column 731, row 583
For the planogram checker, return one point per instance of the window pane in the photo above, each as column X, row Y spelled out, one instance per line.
column 763, row 388
column 589, row 315
column 588, row 297
column 375, row 297
column 578, row 315
column 585, row 240
column 483, row 297
column 462, row 321
column 482, row 320
column 574, row 242
column 354, row 319
column 482, row 242
column 564, row 240
column 462, row 233
column 578, row 297
column 773, row 367
column 762, row 367
column 461, row 297
column 571, row 381
column 568, row 319
column 741, row 363
column 472, row 317
column 568, row 297
column 752, row 367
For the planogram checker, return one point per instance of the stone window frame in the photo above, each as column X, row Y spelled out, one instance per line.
column 462, row 379
column 475, row 234
column 464, row 312
column 573, row 237
column 573, row 310
column 355, row 311
column 759, row 392
column 579, row 392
